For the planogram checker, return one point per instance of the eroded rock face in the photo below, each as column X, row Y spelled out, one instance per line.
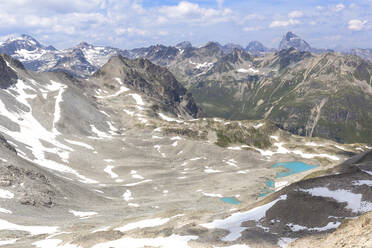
column 32, row 187
column 353, row 233
column 7, row 74
column 290, row 40
column 152, row 80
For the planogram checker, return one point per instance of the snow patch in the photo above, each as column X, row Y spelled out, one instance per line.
column 34, row 230
column 143, row 224
column 354, row 201
column 233, row 224
column 164, row 242
column 128, row 195
column 82, row 214
column 329, row 226
column 6, row 194
column 109, row 171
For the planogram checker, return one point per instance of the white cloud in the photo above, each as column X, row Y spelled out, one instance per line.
column 296, row 14
column 287, row 23
column 250, row 29
column 337, row 8
column 356, row 24
column 51, row 6
column 130, row 31
column 192, row 12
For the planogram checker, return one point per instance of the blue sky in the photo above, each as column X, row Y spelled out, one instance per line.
column 137, row 23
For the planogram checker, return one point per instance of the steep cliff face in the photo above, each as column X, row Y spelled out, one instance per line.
column 7, row 74
column 152, row 80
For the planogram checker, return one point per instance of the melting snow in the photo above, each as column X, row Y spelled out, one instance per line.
column 109, row 171
column 6, row 194
column 47, row 243
column 138, row 99
column 233, row 246
column 135, row 205
column 5, row 211
column 363, row 182
column 164, row 242
column 82, row 214
column 34, row 230
column 233, row 224
column 57, row 107
column 330, row 225
column 211, row 170
column 32, row 132
column 128, row 195
column 135, row 184
column 354, row 201
column 100, row 134
column 136, row 175
column 258, row 125
column 284, row 242
column 79, row 144
column 143, row 224
column 7, row 242
column 250, row 70
column 167, row 118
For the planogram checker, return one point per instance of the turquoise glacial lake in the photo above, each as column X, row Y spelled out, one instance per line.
column 293, row 168
column 231, row 200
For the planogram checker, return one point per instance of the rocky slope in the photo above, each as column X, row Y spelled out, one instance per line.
column 325, row 95
column 152, row 80
column 91, row 163
column 352, row 233
column 365, row 53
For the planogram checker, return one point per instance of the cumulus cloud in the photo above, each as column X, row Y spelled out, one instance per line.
column 337, row 8
column 255, row 28
column 286, row 23
column 357, row 25
column 130, row 31
column 51, row 6
column 296, row 14
column 192, row 12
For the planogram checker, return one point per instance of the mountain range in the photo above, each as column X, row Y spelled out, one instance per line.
column 236, row 83
column 84, row 59
column 183, row 146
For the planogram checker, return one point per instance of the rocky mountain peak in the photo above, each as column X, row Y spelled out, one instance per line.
column 292, row 40
column 154, row 81
column 212, row 45
column 184, row 45
column 84, row 44
column 256, row 47
column 229, row 47
column 7, row 75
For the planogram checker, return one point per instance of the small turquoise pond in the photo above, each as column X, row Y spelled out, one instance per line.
column 270, row 183
column 293, row 168
column 266, row 192
column 231, row 200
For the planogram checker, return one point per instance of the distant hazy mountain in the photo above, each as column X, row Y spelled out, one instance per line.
column 84, row 59
column 292, row 40
column 256, row 48
column 365, row 53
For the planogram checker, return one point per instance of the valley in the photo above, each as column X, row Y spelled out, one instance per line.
column 156, row 152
